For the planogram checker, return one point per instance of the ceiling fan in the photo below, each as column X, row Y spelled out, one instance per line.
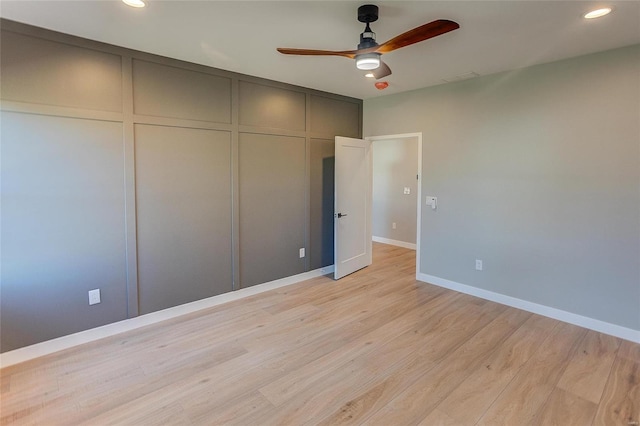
column 368, row 54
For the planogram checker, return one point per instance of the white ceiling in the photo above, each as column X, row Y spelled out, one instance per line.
column 242, row 36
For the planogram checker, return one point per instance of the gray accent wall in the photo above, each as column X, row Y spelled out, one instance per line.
column 272, row 207
column 63, row 225
column 272, row 107
column 322, row 202
column 173, row 92
column 184, row 253
column 537, row 173
column 157, row 181
column 84, row 78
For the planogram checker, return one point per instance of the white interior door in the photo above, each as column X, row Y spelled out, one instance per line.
column 352, row 216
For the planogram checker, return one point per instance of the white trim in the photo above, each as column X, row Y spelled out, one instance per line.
column 65, row 342
column 547, row 311
column 394, row 242
column 419, row 213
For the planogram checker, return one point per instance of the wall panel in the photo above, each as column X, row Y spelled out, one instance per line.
column 334, row 117
column 43, row 72
column 63, row 227
column 272, row 107
column 166, row 91
column 183, row 188
column 272, row 207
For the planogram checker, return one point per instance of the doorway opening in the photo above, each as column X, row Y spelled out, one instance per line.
column 397, row 165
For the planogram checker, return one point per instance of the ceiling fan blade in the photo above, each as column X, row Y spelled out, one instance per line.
column 346, row 53
column 382, row 71
column 416, row 35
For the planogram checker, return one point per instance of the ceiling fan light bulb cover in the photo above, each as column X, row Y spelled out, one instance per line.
column 368, row 61
column 134, row 3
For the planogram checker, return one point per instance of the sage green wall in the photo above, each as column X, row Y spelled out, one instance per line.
column 537, row 173
column 157, row 181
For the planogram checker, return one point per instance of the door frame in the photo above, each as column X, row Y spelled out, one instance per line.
column 419, row 208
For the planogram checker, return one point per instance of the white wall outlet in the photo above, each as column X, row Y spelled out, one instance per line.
column 94, row 296
column 393, row 225
column 478, row 265
column 302, row 252
column 407, row 190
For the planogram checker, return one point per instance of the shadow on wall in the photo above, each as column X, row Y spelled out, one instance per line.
column 328, row 208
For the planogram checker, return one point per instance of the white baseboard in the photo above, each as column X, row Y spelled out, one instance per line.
column 394, row 242
column 65, row 342
column 571, row 318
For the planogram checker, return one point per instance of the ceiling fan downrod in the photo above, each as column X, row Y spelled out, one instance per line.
column 367, row 61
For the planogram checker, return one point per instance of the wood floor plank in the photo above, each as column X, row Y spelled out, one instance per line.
column 5, row 384
column 374, row 393
column 305, row 352
column 629, row 351
column 589, row 370
column 493, row 375
column 289, row 385
column 232, row 412
column 171, row 414
column 529, row 390
column 438, row 418
column 292, row 361
column 565, row 409
column 620, row 404
column 343, row 383
column 376, row 347
column 416, row 402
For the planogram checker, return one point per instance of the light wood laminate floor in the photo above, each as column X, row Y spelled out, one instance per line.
column 375, row 348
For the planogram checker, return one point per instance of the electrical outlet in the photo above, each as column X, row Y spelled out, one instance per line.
column 407, row 190
column 393, row 225
column 302, row 252
column 94, row 296
column 478, row 265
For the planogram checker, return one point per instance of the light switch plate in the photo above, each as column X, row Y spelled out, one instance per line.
column 432, row 201
column 302, row 252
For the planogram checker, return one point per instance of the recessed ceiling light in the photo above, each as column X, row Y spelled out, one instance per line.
column 134, row 3
column 369, row 75
column 597, row 13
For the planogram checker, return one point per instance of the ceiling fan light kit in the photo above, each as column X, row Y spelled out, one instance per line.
column 368, row 61
column 368, row 53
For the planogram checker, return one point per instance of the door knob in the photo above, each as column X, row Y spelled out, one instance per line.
column 339, row 215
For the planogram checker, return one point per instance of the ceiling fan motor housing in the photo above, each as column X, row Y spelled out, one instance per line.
column 368, row 13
